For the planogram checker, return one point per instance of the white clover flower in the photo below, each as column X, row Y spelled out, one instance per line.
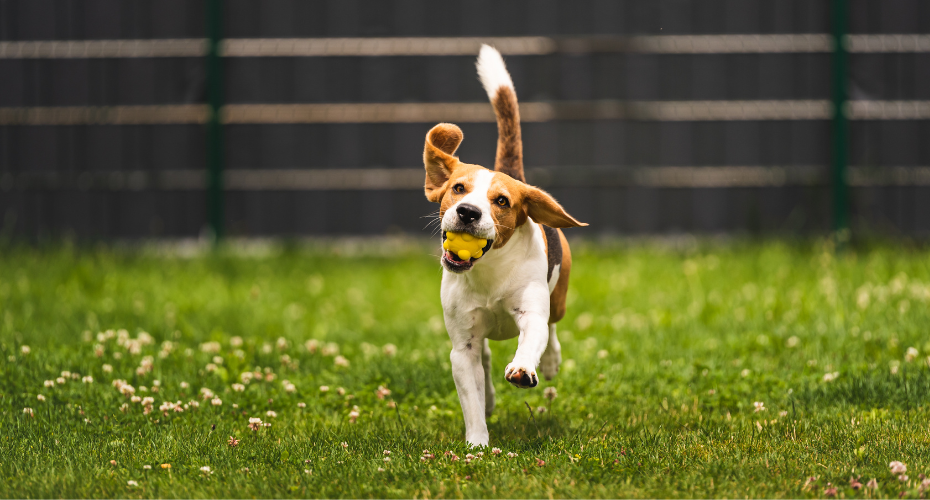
column 211, row 347
column 759, row 406
column 185, row 385
column 238, row 387
column 40, row 397
column 132, row 483
column 107, row 368
column 49, row 383
column 830, row 377
column 271, row 414
column 88, row 379
column 25, row 349
column 147, row 401
column 324, row 388
column 28, row 411
column 135, row 399
column 496, row 451
column 550, row 393
column 330, row 349
column 61, row 380
column 235, row 341
column 897, row 467
column 341, row 361
column 216, row 402
column 206, row 470
column 911, row 354
column 389, row 350
column 301, row 405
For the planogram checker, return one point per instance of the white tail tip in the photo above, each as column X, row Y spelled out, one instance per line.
column 492, row 71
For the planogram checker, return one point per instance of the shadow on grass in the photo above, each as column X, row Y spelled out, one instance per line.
column 531, row 431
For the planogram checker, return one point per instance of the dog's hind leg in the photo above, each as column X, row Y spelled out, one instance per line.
column 488, row 384
column 552, row 357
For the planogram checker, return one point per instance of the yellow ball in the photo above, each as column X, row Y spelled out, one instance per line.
column 464, row 245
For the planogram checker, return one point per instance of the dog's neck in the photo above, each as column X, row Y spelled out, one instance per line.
column 494, row 269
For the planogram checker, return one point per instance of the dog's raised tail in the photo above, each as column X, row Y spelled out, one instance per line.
column 497, row 83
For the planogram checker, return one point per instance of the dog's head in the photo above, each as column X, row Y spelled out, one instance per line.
column 486, row 204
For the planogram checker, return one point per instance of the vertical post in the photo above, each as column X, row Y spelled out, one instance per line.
column 840, row 138
column 214, row 88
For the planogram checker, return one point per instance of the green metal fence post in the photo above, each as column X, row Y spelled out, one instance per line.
column 214, row 67
column 840, row 138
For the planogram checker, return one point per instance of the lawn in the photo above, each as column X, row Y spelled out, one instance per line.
column 709, row 369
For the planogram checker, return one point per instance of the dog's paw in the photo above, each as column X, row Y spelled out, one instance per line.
column 549, row 363
column 521, row 376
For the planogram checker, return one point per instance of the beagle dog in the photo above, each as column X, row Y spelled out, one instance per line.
column 515, row 286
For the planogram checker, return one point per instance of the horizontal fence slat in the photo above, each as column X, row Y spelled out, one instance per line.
column 466, row 112
column 381, row 179
column 462, row 46
column 106, row 115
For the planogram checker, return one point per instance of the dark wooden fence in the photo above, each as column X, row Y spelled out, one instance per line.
column 643, row 116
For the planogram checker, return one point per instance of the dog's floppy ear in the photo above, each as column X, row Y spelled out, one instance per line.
column 543, row 208
column 441, row 141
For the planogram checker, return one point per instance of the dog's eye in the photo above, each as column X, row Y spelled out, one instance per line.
column 458, row 188
column 503, row 201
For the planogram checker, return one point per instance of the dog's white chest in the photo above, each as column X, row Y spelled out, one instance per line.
column 479, row 315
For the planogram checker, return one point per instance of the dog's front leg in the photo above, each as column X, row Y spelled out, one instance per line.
column 531, row 315
column 468, row 373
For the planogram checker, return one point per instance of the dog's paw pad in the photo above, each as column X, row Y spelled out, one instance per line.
column 521, row 377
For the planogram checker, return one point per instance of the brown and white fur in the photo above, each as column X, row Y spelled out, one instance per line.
column 518, row 286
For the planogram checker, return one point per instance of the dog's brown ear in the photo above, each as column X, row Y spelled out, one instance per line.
column 441, row 142
column 543, row 208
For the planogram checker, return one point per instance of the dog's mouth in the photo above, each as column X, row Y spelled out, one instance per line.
column 455, row 263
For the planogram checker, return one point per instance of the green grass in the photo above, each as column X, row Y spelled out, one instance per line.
column 666, row 350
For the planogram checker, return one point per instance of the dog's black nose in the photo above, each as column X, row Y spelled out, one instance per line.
column 468, row 213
